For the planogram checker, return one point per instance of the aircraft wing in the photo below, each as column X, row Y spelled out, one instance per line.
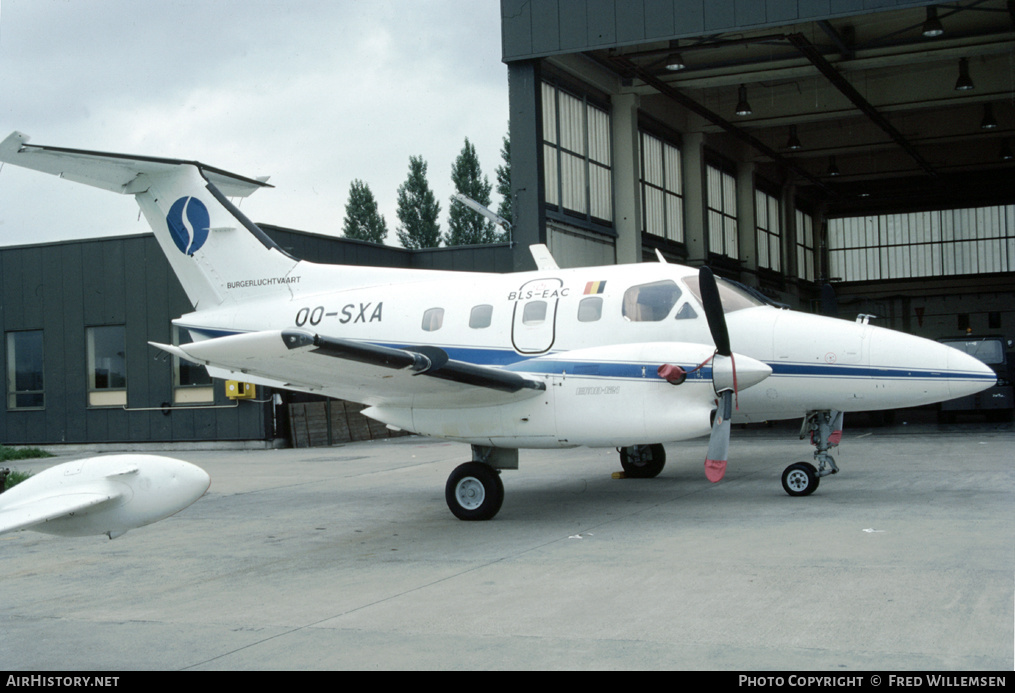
column 45, row 509
column 418, row 376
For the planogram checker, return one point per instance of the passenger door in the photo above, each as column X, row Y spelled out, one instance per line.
column 533, row 326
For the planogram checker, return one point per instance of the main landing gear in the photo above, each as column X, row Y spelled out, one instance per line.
column 642, row 461
column 825, row 429
column 474, row 490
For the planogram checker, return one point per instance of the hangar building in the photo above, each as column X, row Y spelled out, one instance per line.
column 786, row 143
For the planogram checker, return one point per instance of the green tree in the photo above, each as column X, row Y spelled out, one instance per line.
column 504, row 181
column 418, row 209
column 466, row 227
column 362, row 221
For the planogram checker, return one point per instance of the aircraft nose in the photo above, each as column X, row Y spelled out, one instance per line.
column 969, row 374
column 928, row 371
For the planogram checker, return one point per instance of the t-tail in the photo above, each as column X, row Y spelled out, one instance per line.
column 219, row 255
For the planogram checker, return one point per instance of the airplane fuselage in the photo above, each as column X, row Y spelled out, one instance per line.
column 597, row 336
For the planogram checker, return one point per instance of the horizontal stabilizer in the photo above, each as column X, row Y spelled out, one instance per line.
column 115, row 172
column 48, row 509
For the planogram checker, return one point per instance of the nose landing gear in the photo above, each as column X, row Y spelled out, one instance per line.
column 825, row 429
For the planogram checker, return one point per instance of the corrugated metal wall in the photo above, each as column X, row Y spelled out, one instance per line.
column 538, row 28
column 62, row 289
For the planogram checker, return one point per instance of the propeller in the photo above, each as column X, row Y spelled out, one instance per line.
column 712, row 304
column 719, row 440
column 724, row 375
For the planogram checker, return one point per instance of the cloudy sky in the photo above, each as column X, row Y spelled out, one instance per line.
column 313, row 93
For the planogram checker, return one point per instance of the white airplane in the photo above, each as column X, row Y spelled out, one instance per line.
column 624, row 356
column 102, row 495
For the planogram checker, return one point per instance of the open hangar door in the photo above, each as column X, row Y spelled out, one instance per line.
column 867, row 115
column 893, row 129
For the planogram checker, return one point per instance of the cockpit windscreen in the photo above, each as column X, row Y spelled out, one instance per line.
column 733, row 297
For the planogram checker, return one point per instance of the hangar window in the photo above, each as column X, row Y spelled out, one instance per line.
column 804, row 245
column 923, row 244
column 576, row 155
column 481, row 316
column 534, row 313
column 722, row 210
column 650, row 302
column 661, row 189
column 24, row 370
column 191, row 382
column 768, row 229
column 433, row 319
column 107, row 366
column 590, row 309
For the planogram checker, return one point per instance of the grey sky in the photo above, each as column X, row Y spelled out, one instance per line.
column 311, row 93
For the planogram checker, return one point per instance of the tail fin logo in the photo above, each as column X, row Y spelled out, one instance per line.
column 188, row 222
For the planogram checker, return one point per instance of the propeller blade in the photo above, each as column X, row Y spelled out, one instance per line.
column 719, row 440
column 712, row 304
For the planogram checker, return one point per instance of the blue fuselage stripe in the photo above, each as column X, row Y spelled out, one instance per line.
column 513, row 361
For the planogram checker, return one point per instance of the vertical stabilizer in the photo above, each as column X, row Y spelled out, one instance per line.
column 218, row 254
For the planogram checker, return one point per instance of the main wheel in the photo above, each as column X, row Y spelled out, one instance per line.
column 474, row 491
column 800, row 479
column 643, row 461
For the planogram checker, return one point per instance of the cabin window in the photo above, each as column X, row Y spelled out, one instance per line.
column 433, row 319
column 107, row 366
column 480, row 316
column 24, row 370
column 534, row 313
column 650, row 302
column 686, row 312
column 590, row 309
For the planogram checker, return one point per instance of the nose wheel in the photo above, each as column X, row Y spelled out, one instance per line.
column 800, row 479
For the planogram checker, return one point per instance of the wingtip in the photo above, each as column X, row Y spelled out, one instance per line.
column 12, row 144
